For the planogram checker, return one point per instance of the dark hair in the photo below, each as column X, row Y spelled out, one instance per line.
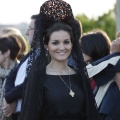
column 57, row 27
column 95, row 44
column 34, row 16
column 38, row 71
column 16, row 32
column 9, row 42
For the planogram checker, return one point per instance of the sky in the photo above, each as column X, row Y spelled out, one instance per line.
column 17, row 11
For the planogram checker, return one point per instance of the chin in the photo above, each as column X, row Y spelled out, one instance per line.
column 61, row 59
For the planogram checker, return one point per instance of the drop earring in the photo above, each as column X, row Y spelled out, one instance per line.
column 46, row 52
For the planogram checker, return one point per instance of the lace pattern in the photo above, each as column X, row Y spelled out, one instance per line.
column 56, row 10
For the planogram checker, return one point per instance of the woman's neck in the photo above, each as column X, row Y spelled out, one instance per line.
column 58, row 66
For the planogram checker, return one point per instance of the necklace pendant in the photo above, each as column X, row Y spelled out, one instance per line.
column 71, row 93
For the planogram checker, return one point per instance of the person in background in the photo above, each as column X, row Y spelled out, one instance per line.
column 16, row 79
column 16, row 32
column 95, row 45
column 55, row 90
column 10, row 48
column 97, row 50
column 115, row 48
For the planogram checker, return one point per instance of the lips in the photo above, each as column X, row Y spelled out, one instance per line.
column 61, row 53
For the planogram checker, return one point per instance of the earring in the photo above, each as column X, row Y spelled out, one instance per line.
column 46, row 52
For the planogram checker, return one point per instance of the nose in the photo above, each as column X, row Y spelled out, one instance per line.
column 62, row 47
column 27, row 32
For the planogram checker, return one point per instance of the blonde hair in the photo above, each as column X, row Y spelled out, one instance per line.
column 16, row 33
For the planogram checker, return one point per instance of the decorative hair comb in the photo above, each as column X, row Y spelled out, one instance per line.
column 53, row 11
column 56, row 10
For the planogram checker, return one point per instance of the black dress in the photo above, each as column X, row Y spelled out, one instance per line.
column 58, row 104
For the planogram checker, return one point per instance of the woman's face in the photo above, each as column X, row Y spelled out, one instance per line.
column 59, row 45
column 87, row 58
column 2, row 59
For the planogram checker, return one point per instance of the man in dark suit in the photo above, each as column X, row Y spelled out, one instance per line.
column 16, row 80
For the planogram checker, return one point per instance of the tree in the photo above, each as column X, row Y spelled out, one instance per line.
column 118, row 15
column 106, row 22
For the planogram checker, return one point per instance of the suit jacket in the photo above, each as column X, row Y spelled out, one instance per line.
column 110, row 105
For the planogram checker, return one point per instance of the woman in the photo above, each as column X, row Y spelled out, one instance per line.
column 9, row 50
column 53, row 89
column 16, row 32
column 96, row 46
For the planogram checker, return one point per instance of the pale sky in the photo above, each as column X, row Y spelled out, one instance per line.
column 16, row 11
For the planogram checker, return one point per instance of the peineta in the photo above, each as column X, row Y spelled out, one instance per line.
column 56, row 10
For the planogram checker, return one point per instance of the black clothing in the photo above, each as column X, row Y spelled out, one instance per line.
column 58, row 104
column 16, row 116
column 110, row 106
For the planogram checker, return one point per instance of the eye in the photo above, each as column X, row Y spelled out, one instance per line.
column 67, row 42
column 55, row 43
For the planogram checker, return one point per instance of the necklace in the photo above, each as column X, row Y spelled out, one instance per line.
column 71, row 93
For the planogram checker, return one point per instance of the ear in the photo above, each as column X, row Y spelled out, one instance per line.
column 46, row 46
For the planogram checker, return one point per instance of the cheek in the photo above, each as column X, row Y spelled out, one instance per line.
column 52, row 48
column 31, row 33
column 69, row 48
column 86, row 57
column 1, row 59
column 52, row 52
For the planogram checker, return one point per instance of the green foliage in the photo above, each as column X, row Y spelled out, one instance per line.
column 106, row 22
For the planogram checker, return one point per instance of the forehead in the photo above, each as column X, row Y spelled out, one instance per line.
column 59, row 35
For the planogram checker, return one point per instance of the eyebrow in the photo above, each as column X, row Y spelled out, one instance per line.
column 58, row 40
